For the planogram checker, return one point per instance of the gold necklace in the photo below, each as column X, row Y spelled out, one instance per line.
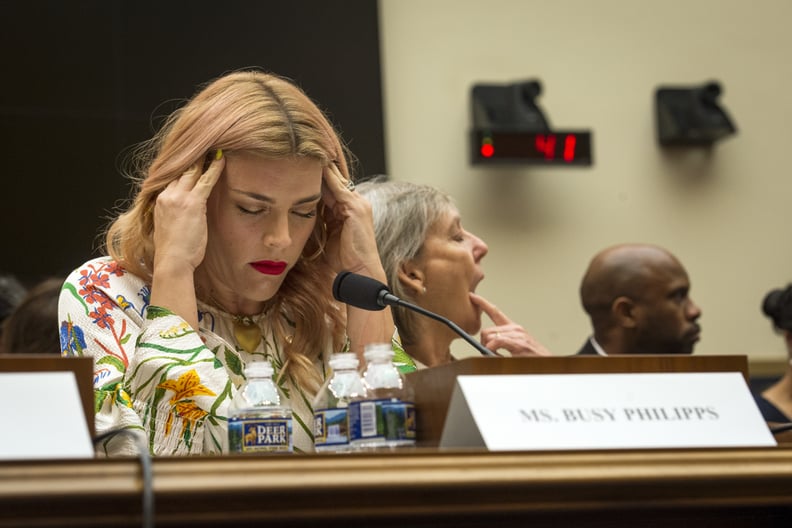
column 246, row 330
column 247, row 333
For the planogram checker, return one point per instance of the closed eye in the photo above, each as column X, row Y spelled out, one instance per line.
column 250, row 211
column 306, row 214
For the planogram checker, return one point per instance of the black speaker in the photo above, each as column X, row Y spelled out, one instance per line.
column 508, row 107
column 691, row 116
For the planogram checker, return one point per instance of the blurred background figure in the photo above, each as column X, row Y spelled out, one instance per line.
column 775, row 402
column 432, row 261
column 11, row 294
column 637, row 297
column 32, row 327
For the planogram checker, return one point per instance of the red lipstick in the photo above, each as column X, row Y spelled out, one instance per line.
column 269, row 267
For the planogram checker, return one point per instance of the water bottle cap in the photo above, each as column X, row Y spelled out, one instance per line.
column 344, row 360
column 258, row 369
column 378, row 352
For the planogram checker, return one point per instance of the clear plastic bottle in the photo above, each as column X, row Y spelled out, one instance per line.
column 386, row 416
column 257, row 421
column 331, row 405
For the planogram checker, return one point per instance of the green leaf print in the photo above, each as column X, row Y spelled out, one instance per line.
column 188, row 435
column 99, row 398
column 220, row 398
column 233, row 362
column 114, row 362
column 155, row 312
column 77, row 296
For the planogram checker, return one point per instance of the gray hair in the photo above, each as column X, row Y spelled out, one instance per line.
column 403, row 213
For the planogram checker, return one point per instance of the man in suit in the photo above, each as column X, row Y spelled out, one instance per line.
column 637, row 298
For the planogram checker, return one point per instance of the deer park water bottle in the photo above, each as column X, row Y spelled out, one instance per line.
column 331, row 405
column 386, row 416
column 257, row 421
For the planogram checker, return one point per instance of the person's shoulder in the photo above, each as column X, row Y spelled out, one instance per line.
column 769, row 412
column 104, row 273
column 587, row 349
column 99, row 266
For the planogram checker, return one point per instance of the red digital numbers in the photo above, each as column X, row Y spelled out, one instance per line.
column 544, row 148
column 546, row 145
column 569, row 147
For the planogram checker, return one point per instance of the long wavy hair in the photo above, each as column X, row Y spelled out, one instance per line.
column 261, row 113
column 404, row 213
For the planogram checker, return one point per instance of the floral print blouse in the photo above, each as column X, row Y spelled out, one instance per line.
column 155, row 373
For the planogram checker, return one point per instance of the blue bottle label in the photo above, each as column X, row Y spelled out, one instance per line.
column 365, row 420
column 331, row 427
column 399, row 418
column 388, row 420
column 257, row 435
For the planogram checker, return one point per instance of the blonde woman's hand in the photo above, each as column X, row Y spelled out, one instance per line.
column 180, row 228
column 506, row 334
column 351, row 244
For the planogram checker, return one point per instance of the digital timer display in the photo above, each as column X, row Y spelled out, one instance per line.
column 536, row 148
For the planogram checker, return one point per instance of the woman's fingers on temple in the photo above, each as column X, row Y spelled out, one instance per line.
column 327, row 195
column 335, row 180
column 190, row 176
column 207, row 180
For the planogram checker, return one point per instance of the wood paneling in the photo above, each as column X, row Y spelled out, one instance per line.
column 416, row 488
column 81, row 366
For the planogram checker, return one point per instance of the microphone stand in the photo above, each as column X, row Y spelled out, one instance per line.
column 370, row 294
column 390, row 299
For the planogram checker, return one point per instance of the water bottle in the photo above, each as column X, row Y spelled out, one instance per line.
column 257, row 421
column 385, row 417
column 331, row 405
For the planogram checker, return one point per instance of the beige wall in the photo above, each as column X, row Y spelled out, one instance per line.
column 724, row 214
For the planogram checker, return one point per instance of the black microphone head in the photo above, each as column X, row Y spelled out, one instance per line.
column 359, row 291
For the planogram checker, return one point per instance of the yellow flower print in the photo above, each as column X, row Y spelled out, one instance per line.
column 121, row 397
column 187, row 386
column 176, row 331
column 190, row 411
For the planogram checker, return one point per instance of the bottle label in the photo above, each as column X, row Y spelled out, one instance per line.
column 386, row 419
column 365, row 420
column 331, row 427
column 399, row 418
column 260, row 435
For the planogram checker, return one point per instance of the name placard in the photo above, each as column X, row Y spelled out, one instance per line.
column 42, row 417
column 604, row 411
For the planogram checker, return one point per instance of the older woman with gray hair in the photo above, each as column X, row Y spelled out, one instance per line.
column 430, row 260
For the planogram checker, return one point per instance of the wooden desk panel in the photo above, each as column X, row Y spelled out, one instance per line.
column 414, row 488
column 81, row 366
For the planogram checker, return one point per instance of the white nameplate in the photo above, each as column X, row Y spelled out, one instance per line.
column 42, row 417
column 604, row 411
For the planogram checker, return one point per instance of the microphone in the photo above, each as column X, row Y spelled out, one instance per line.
column 370, row 294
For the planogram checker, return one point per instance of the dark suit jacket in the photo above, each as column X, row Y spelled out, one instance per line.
column 770, row 412
column 587, row 349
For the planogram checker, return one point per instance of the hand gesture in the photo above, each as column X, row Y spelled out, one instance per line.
column 351, row 243
column 506, row 334
column 180, row 230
